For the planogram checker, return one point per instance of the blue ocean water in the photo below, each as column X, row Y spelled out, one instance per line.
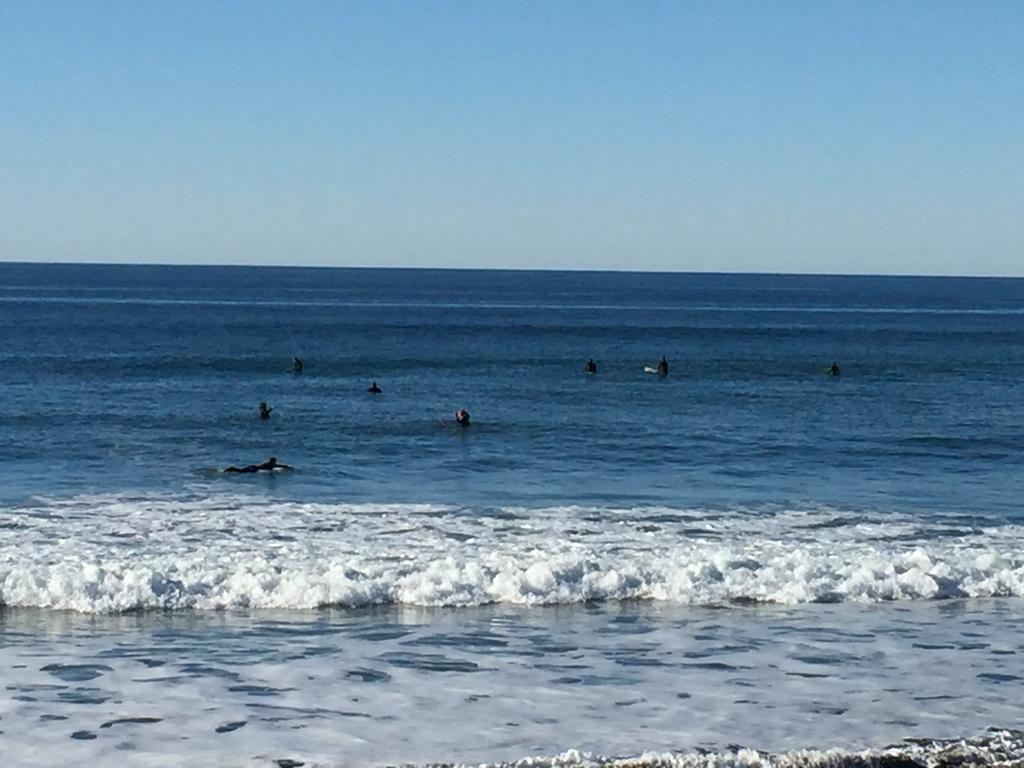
column 122, row 378
column 747, row 552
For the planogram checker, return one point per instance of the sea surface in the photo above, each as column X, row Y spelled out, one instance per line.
column 746, row 562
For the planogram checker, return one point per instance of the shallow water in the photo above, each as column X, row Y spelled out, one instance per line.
column 497, row 683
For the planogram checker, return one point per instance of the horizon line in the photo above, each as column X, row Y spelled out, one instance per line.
column 583, row 270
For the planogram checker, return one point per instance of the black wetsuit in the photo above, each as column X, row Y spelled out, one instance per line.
column 266, row 466
column 244, row 470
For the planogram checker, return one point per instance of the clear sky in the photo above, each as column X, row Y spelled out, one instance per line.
column 817, row 136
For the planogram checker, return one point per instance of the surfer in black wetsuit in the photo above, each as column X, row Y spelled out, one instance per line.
column 590, row 367
column 833, row 370
column 374, row 389
column 461, row 419
column 265, row 411
column 663, row 367
column 296, row 365
column 267, row 466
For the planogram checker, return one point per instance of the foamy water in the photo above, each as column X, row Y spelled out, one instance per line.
column 115, row 553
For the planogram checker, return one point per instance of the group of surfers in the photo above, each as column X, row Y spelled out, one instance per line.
column 461, row 416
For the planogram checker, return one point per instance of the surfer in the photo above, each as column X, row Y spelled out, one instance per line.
column 461, row 418
column 374, row 389
column 663, row 367
column 833, row 370
column 267, row 466
column 590, row 367
column 265, row 411
column 296, row 365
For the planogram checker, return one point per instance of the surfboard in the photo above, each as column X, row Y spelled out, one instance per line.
column 648, row 369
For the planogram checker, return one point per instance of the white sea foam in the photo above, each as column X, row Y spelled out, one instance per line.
column 999, row 748
column 115, row 553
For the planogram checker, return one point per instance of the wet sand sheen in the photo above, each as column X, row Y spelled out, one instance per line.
column 380, row 686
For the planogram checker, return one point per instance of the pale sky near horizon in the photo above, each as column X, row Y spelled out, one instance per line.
column 860, row 137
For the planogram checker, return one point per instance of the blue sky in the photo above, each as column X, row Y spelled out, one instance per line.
column 733, row 136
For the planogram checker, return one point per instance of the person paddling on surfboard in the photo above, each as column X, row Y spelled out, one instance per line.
column 663, row 367
column 590, row 367
column 267, row 466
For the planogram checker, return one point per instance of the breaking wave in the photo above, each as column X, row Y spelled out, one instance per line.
column 119, row 553
column 997, row 748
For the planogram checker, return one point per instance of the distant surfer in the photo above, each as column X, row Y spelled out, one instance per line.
column 461, row 418
column 833, row 370
column 265, row 411
column 590, row 367
column 296, row 365
column 269, row 465
column 663, row 367
column 374, row 389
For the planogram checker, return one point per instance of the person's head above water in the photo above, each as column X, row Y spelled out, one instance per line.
column 462, row 416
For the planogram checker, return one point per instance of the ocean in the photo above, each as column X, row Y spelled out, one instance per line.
column 748, row 561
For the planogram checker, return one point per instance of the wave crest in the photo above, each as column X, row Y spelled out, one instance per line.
column 102, row 554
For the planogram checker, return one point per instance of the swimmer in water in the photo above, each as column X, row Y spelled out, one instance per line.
column 265, row 411
column 374, row 389
column 663, row 367
column 267, row 466
column 590, row 367
column 296, row 365
column 833, row 370
column 461, row 418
